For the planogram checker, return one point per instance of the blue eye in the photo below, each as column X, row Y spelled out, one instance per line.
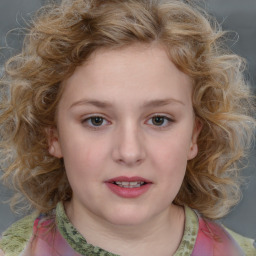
column 161, row 121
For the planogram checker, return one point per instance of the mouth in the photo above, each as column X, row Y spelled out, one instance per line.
column 128, row 187
column 126, row 184
column 129, row 182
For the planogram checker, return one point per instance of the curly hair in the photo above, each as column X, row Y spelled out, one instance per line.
column 63, row 36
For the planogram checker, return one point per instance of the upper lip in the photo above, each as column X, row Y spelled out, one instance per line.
column 128, row 179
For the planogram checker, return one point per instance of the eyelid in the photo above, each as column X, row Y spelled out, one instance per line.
column 93, row 115
column 167, row 117
column 88, row 117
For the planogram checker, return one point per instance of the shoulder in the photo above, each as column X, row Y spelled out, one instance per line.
column 223, row 240
column 247, row 244
column 15, row 238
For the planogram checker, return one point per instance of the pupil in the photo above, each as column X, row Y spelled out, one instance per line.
column 97, row 120
column 158, row 120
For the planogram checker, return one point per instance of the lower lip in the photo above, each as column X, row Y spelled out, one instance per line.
column 128, row 192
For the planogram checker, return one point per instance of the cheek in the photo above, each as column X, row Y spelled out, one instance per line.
column 173, row 149
column 83, row 164
column 84, row 156
column 170, row 160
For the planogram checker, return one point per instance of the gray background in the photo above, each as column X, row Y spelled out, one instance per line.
column 235, row 15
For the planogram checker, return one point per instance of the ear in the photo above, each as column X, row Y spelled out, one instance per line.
column 53, row 142
column 193, row 146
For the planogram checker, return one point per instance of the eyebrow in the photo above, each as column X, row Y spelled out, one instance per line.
column 96, row 103
column 161, row 102
column 147, row 104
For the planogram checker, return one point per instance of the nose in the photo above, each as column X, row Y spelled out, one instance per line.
column 129, row 146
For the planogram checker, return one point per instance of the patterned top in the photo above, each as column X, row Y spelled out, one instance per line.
column 55, row 235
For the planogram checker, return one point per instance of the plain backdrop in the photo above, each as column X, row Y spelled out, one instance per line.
column 234, row 15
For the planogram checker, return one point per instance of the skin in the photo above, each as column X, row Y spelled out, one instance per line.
column 129, row 141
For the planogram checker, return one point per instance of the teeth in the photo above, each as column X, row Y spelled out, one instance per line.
column 123, row 183
column 134, row 183
column 126, row 184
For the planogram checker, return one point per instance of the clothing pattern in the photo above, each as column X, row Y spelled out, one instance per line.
column 55, row 235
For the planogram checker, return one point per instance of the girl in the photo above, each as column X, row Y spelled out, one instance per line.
column 124, row 130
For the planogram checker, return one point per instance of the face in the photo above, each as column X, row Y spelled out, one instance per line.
column 126, row 129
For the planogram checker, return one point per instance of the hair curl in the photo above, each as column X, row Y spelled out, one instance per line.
column 62, row 37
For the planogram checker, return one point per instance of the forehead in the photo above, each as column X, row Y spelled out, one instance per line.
column 139, row 71
column 133, row 57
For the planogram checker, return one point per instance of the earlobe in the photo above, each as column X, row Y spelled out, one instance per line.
column 193, row 151
column 51, row 150
column 194, row 147
column 53, row 142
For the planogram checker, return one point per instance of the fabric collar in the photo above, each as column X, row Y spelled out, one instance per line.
column 80, row 245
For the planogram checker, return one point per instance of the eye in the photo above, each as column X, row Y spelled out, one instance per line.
column 95, row 121
column 160, row 121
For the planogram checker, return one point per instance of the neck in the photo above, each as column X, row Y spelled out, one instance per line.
column 149, row 238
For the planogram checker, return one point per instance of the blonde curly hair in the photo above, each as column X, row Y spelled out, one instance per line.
column 63, row 36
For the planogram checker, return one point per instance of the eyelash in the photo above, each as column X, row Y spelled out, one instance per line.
column 166, row 119
column 89, row 119
column 95, row 127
